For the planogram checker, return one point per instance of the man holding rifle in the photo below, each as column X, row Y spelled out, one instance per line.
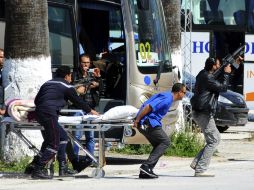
column 210, row 81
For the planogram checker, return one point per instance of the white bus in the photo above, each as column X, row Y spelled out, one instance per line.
column 133, row 32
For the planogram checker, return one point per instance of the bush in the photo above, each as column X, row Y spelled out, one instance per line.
column 183, row 143
column 20, row 166
column 15, row 166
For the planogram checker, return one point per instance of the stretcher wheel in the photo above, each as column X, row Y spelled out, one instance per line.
column 98, row 173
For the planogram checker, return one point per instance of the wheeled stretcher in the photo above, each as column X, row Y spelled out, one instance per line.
column 69, row 124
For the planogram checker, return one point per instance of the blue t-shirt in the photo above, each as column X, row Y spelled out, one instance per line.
column 160, row 104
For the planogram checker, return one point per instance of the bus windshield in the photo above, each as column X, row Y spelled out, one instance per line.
column 150, row 36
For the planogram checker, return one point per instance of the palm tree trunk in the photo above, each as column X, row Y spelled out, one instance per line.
column 172, row 11
column 28, row 64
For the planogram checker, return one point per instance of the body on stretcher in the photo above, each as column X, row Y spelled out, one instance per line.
column 95, row 123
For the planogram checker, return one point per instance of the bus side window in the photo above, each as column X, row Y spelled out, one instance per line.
column 214, row 17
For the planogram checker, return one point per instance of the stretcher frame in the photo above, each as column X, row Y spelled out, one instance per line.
column 94, row 125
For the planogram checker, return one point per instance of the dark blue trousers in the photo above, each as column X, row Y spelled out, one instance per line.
column 55, row 139
column 158, row 139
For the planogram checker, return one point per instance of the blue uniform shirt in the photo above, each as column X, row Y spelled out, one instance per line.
column 160, row 104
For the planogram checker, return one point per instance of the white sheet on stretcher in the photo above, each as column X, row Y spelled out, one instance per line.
column 62, row 119
column 77, row 119
column 118, row 113
column 73, row 119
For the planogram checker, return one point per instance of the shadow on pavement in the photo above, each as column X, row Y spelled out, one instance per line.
column 123, row 161
column 239, row 160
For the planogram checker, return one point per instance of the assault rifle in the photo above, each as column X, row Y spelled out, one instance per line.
column 230, row 59
column 86, row 82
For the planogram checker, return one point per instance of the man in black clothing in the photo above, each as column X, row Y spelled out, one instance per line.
column 50, row 99
column 204, row 103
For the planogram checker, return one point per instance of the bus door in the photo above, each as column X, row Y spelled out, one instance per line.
column 101, row 35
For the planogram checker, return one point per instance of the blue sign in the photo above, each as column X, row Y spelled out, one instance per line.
column 200, row 47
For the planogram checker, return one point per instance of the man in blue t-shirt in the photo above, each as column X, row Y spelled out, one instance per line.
column 148, row 122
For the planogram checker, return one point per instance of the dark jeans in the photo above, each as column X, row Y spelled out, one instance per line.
column 55, row 139
column 158, row 139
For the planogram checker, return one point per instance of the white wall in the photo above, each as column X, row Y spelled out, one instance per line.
column 248, row 87
column 199, row 50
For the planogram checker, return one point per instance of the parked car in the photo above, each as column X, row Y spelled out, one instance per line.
column 231, row 110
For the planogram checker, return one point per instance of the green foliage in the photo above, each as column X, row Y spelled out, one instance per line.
column 136, row 149
column 183, row 143
column 15, row 166
column 19, row 166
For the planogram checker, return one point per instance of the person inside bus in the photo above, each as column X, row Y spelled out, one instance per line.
column 204, row 103
column 148, row 122
column 50, row 99
column 90, row 78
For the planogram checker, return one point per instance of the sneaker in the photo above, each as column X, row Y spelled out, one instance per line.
column 204, row 174
column 143, row 175
column 193, row 165
column 145, row 168
column 156, row 176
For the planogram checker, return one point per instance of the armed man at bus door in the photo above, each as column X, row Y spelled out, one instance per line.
column 50, row 99
column 204, row 103
column 148, row 122
column 90, row 77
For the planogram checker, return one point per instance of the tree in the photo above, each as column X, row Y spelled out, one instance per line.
column 27, row 65
column 172, row 11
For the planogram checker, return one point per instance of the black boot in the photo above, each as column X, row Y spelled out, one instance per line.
column 64, row 170
column 30, row 167
column 80, row 165
column 40, row 172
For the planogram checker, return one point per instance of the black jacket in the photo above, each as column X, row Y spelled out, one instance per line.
column 207, row 89
column 92, row 95
column 53, row 96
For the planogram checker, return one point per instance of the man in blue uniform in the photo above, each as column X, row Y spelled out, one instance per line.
column 50, row 99
column 148, row 122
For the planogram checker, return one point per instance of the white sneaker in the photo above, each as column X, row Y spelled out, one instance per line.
column 193, row 165
column 204, row 174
